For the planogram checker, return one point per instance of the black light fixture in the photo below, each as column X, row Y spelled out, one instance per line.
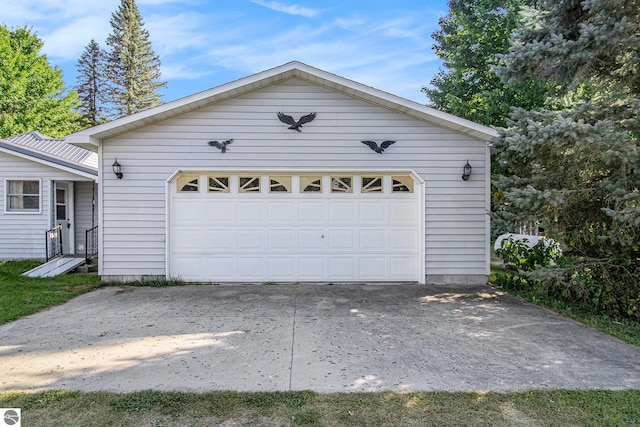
column 466, row 171
column 117, row 169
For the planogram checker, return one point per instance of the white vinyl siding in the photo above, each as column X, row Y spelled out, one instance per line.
column 134, row 207
column 23, row 236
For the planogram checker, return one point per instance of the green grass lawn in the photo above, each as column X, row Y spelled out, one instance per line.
column 306, row 408
column 20, row 296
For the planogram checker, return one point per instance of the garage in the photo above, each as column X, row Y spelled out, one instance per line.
column 283, row 226
column 293, row 174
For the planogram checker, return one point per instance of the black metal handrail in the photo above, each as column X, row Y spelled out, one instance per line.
column 91, row 243
column 53, row 241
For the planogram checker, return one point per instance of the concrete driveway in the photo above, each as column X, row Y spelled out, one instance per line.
column 325, row 338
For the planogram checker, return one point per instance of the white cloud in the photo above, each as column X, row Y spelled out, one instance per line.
column 182, row 71
column 67, row 43
column 289, row 9
column 174, row 33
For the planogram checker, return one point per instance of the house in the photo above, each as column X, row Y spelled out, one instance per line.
column 45, row 182
column 270, row 179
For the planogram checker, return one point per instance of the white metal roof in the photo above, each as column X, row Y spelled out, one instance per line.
column 54, row 152
column 90, row 138
column 59, row 148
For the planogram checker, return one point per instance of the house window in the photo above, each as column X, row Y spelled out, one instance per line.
column 280, row 184
column 341, row 184
column 219, row 184
column 402, row 184
column 23, row 196
column 188, row 184
column 249, row 184
column 371, row 184
column 311, row 184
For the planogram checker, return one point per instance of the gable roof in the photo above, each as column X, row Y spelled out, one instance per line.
column 90, row 138
column 54, row 152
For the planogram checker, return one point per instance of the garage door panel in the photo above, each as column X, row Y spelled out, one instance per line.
column 221, row 268
column 282, row 212
column 282, row 269
column 342, row 240
column 282, row 239
column 219, row 211
column 344, row 212
column 251, row 212
column 188, row 212
column 190, row 268
column 312, row 240
column 250, row 240
column 403, row 212
column 252, row 268
column 188, row 240
column 312, row 212
column 343, row 268
column 372, row 240
column 373, row 267
column 402, row 240
column 373, row 212
column 402, row 268
column 312, row 268
column 219, row 240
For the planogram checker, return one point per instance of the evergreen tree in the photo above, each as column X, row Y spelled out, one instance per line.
column 574, row 167
column 133, row 69
column 32, row 93
column 91, row 85
column 469, row 38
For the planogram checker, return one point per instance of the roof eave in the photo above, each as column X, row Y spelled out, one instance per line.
column 90, row 138
column 84, row 171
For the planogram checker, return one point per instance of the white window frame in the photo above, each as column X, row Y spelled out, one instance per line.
column 9, row 211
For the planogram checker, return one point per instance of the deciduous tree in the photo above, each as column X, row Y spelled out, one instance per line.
column 469, row 38
column 32, row 92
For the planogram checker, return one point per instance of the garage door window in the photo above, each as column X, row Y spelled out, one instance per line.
column 311, row 184
column 371, row 184
column 402, row 184
column 341, row 184
column 218, row 184
column 289, row 184
column 249, row 184
column 280, row 184
column 188, row 184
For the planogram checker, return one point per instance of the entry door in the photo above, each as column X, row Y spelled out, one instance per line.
column 63, row 215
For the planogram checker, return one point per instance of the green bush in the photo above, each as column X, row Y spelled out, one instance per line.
column 609, row 287
column 545, row 253
column 600, row 286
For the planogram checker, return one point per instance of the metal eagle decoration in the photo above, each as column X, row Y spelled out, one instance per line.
column 221, row 145
column 378, row 148
column 293, row 124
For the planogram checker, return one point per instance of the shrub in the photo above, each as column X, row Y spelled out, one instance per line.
column 518, row 253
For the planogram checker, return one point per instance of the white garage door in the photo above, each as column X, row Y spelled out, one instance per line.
column 318, row 227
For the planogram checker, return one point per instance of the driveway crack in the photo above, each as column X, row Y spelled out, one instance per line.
column 293, row 335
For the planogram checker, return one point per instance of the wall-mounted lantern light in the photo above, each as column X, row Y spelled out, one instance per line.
column 466, row 171
column 117, row 169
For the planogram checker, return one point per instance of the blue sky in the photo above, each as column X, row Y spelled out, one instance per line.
column 386, row 44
